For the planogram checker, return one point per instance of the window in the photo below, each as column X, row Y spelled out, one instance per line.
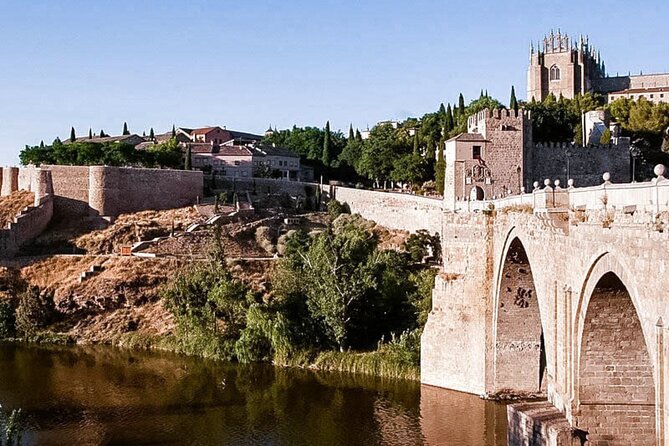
column 555, row 73
column 237, row 163
column 476, row 152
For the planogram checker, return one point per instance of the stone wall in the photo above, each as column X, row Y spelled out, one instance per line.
column 100, row 191
column 393, row 210
column 586, row 164
column 30, row 223
column 452, row 354
column 266, row 186
column 518, row 331
column 70, row 189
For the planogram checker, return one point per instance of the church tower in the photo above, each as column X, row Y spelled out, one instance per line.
column 562, row 69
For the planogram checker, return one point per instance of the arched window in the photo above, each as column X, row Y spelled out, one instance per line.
column 555, row 73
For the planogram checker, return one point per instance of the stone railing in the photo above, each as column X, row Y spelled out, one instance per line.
column 649, row 197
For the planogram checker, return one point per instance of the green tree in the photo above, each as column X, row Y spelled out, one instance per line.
column 327, row 142
column 152, row 135
column 410, row 168
column 351, row 135
column 187, row 160
column 513, row 102
column 174, row 131
column 90, row 133
column 440, row 170
column 102, row 133
column 461, row 104
column 125, row 129
column 358, row 135
column 73, row 137
column 449, row 124
column 606, row 137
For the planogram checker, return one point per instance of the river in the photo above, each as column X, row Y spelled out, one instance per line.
column 103, row 395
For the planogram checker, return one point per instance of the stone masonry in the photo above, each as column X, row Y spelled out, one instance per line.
column 596, row 277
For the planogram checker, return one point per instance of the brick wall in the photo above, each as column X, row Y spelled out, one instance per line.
column 616, row 379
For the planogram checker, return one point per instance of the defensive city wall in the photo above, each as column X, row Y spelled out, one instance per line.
column 92, row 193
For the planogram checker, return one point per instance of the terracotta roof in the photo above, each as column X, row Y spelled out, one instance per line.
column 204, row 130
column 641, row 90
column 233, row 151
column 469, row 137
column 200, row 147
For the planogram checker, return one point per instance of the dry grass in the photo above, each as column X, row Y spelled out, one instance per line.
column 12, row 204
column 122, row 298
column 131, row 228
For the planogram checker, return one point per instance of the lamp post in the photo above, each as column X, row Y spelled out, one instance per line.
column 567, row 154
column 635, row 152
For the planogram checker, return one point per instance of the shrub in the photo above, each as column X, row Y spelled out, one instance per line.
column 34, row 311
column 7, row 319
column 335, row 209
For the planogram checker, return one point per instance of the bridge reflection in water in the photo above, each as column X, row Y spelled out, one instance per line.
column 455, row 418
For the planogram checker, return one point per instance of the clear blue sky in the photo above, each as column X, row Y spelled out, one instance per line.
column 246, row 64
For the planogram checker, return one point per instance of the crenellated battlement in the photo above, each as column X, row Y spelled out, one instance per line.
column 478, row 121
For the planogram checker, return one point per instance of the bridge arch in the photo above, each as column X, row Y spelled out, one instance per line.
column 519, row 350
column 614, row 386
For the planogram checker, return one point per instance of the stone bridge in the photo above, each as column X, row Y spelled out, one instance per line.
column 562, row 294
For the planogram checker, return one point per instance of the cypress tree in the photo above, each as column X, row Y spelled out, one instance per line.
column 174, row 132
column 151, row 134
column 125, row 129
column 358, row 135
column 351, row 135
column 325, row 157
column 513, row 102
column 442, row 110
column 440, row 170
column 481, row 95
column 102, row 133
column 187, row 161
column 90, row 133
column 41, row 144
column 73, row 137
column 461, row 104
column 486, row 93
column 449, row 119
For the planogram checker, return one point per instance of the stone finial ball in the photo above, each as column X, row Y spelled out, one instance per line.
column 535, row 184
column 556, row 182
column 659, row 170
column 547, row 182
column 570, row 182
column 606, row 176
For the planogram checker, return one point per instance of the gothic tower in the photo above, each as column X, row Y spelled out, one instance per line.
column 562, row 69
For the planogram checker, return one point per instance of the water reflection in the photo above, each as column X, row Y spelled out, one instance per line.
column 107, row 396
